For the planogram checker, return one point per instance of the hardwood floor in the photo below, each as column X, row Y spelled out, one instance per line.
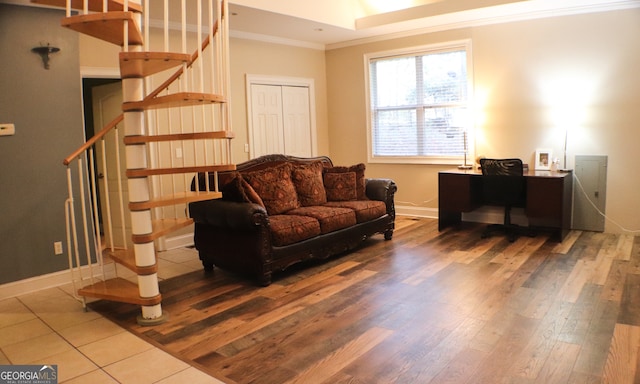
column 426, row 307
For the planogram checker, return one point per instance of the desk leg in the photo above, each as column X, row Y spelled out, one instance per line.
column 448, row 218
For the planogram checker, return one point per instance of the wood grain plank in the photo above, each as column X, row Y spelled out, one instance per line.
column 426, row 307
column 542, row 343
column 630, row 303
column 339, row 359
column 622, row 359
column 558, row 367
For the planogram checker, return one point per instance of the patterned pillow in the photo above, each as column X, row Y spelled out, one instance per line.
column 275, row 188
column 308, row 181
column 360, row 182
column 240, row 191
column 340, row 186
column 251, row 193
column 233, row 191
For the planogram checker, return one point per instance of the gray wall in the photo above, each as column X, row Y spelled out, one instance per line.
column 46, row 108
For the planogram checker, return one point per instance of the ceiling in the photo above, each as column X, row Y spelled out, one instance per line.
column 313, row 25
column 329, row 24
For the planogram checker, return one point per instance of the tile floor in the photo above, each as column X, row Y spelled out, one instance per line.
column 51, row 327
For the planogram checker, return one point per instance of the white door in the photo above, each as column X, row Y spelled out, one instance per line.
column 281, row 120
column 266, row 102
column 297, row 127
column 107, row 105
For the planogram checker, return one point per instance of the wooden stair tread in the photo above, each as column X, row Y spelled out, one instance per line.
column 179, row 170
column 119, row 290
column 177, row 198
column 93, row 5
column 179, row 136
column 180, row 99
column 142, row 64
column 106, row 26
column 161, row 228
column 127, row 258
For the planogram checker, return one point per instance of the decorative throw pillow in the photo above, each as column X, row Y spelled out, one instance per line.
column 275, row 188
column 308, row 181
column 340, row 186
column 358, row 169
column 251, row 193
column 234, row 191
column 240, row 191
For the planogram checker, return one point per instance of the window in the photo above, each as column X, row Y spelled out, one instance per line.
column 418, row 104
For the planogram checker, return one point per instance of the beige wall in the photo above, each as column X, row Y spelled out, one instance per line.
column 247, row 57
column 532, row 79
column 524, row 73
column 260, row 58
column 95, row 53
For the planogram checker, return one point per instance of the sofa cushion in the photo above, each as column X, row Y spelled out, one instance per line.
column 308, row 181
column 330, row 218
column 365, row 210
column 360, row 181
column 275, row 188
column 289, row 229
column 340, row 186
column 240, row 191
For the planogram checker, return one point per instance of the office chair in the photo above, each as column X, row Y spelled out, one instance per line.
column 503, row 184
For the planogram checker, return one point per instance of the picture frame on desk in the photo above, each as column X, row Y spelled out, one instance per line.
column 543, row 160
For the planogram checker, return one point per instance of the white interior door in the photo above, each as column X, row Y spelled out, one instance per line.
column 267, row 125
column 281, row 116
column 297, row 127
column 107, row 105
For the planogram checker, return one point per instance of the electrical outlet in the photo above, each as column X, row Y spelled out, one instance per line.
column 57, row 247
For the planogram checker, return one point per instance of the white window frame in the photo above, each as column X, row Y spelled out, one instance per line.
column 412, row 51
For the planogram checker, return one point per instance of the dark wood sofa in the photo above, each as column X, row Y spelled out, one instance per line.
column 262, row 225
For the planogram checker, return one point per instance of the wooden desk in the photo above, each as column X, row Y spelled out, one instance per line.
column 549, row 198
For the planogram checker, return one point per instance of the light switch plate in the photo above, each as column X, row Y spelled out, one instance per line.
column 7, row 129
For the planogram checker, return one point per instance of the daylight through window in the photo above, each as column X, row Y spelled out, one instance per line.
column 418, row 104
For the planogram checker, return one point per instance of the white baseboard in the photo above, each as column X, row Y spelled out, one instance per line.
column 181, row 241
column 403, row 210
column 486, row 214
column 37, row 283
column 57, row 279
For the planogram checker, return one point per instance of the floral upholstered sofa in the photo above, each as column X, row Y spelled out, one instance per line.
column 279, row 210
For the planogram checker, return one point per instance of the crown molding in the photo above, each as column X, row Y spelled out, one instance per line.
column 528, row 10
column 276, row 40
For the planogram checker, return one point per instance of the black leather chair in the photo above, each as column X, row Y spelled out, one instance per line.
column 503, row 184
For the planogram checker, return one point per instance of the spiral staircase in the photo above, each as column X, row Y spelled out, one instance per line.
column 172, row 102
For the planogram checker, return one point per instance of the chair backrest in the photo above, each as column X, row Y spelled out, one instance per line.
column 503, row 181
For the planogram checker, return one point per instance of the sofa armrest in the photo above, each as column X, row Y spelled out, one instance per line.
column 380, row 189
column 228, row 214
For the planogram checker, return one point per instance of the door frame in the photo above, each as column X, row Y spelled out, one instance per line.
column 254, row 79
column 88, row 128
